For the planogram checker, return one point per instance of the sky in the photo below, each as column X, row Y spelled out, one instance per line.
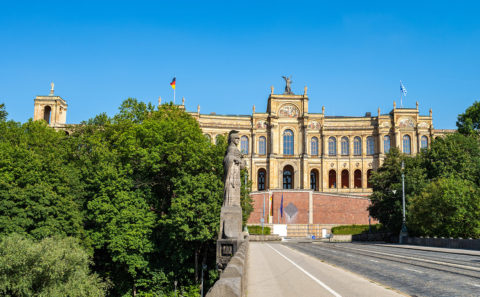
column 226, row 55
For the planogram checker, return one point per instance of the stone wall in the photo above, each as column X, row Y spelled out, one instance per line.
column 454, row 243
column 232, row 282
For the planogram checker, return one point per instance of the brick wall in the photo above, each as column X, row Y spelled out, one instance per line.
column 327, row 208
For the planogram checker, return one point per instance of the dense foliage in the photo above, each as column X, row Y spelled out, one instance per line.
column 356, row 229
column 3, row 112
column 141, row 191
column 52, row 267
column 442, row 185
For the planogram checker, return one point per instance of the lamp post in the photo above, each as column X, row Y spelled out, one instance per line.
column 404, row 231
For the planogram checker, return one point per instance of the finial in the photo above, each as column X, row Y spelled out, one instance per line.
column 379, row 111
column 159, row 100
column 305, row 91
column 271, row 90
column 417, row 104
column 198, row 108
column 394, row 104
column 52, row 89
column 183, row 100
column 430, row 112
column 253, row 108
column 323, row 109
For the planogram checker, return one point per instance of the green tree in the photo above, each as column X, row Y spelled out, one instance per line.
column 3, row 112
column 40, row 191
column 449, row 207
column 456, row 154
column 469, row 121
column 386, row 198
column 49, row 268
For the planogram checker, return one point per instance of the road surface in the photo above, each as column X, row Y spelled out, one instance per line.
column 278, row 270
column 417, row 271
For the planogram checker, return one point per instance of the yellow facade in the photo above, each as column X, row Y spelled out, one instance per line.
column 356, row 143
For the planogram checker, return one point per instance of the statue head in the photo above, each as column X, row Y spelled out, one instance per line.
column 233, row 137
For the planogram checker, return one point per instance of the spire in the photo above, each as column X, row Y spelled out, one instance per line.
column 159, row 100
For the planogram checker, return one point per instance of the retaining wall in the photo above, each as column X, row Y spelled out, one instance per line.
column 453, row 243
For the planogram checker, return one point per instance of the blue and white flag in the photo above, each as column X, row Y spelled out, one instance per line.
column 402, row 89
column 281, row 207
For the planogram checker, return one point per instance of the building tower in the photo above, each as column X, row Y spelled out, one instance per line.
column 51, row 108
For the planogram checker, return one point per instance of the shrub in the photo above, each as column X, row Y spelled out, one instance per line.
column 356, row 229
column 257, row 230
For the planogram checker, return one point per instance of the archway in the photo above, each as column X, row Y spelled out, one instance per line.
column 345, row 181
column 357, row 179
column 46, row 114
column 369, row 175
column 332, row 179
column 288, row 177
column 261, row 179
column 314, row 180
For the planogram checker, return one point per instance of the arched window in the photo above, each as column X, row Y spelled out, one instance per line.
column 208, row 137
column 357, row 179
column 314, row 180
column 406, row 145
column 332, row 179
column 357, row 146
column 345, row 179
column 345, row 146
column 244, row 144
column 424, row 142
column 261, row 179
column 288, row 177
column 386, row 144
column 332, row 146
column 314, row 146
column 262, row 145
column 288, row 142
column 370, row 145
column 46, row 114
column 369, row 175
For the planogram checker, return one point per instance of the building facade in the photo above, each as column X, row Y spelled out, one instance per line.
column 289, row 147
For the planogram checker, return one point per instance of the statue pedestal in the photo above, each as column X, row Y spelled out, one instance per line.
column 230, row 236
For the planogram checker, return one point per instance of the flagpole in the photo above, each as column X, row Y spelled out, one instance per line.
column 174, row 96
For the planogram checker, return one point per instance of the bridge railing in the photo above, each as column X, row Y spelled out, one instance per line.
column 232, row 281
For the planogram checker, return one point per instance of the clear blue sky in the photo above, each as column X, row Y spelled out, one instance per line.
column 226, row 54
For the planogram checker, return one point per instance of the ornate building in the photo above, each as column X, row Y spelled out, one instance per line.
column 288, row 147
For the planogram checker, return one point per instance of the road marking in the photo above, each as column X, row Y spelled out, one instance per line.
column 307, row 273
column 474, row 285
column 419, row 259
column 374, row 261
column 418, row 271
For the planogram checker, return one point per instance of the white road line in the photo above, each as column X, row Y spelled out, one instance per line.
column 307, row 273
column 419, row 259
column 418, row 271
column 476, row 285
column 374, row 261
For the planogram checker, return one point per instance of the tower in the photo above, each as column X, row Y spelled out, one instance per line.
column 51, row 108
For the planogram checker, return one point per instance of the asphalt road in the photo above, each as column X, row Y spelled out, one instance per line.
column 413, row 270
column 277, row 270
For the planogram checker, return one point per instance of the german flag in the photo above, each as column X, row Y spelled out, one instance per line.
column 172, row 84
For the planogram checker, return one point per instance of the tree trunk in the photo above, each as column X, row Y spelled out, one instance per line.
column 196, row 265
column 134, row 289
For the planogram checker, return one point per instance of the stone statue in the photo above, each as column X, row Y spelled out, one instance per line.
column 183, row 100
column 51, row 90
column 232, row 164
column 288, row 81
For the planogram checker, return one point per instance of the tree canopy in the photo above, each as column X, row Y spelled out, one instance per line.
column 3, row 112
column 140, row 191
column 469, row 121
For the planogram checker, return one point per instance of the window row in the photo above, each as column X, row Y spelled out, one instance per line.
column 288, row 178
column 345, row 146
column 288, row 145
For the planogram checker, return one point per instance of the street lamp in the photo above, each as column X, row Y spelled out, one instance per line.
column 404, row 231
